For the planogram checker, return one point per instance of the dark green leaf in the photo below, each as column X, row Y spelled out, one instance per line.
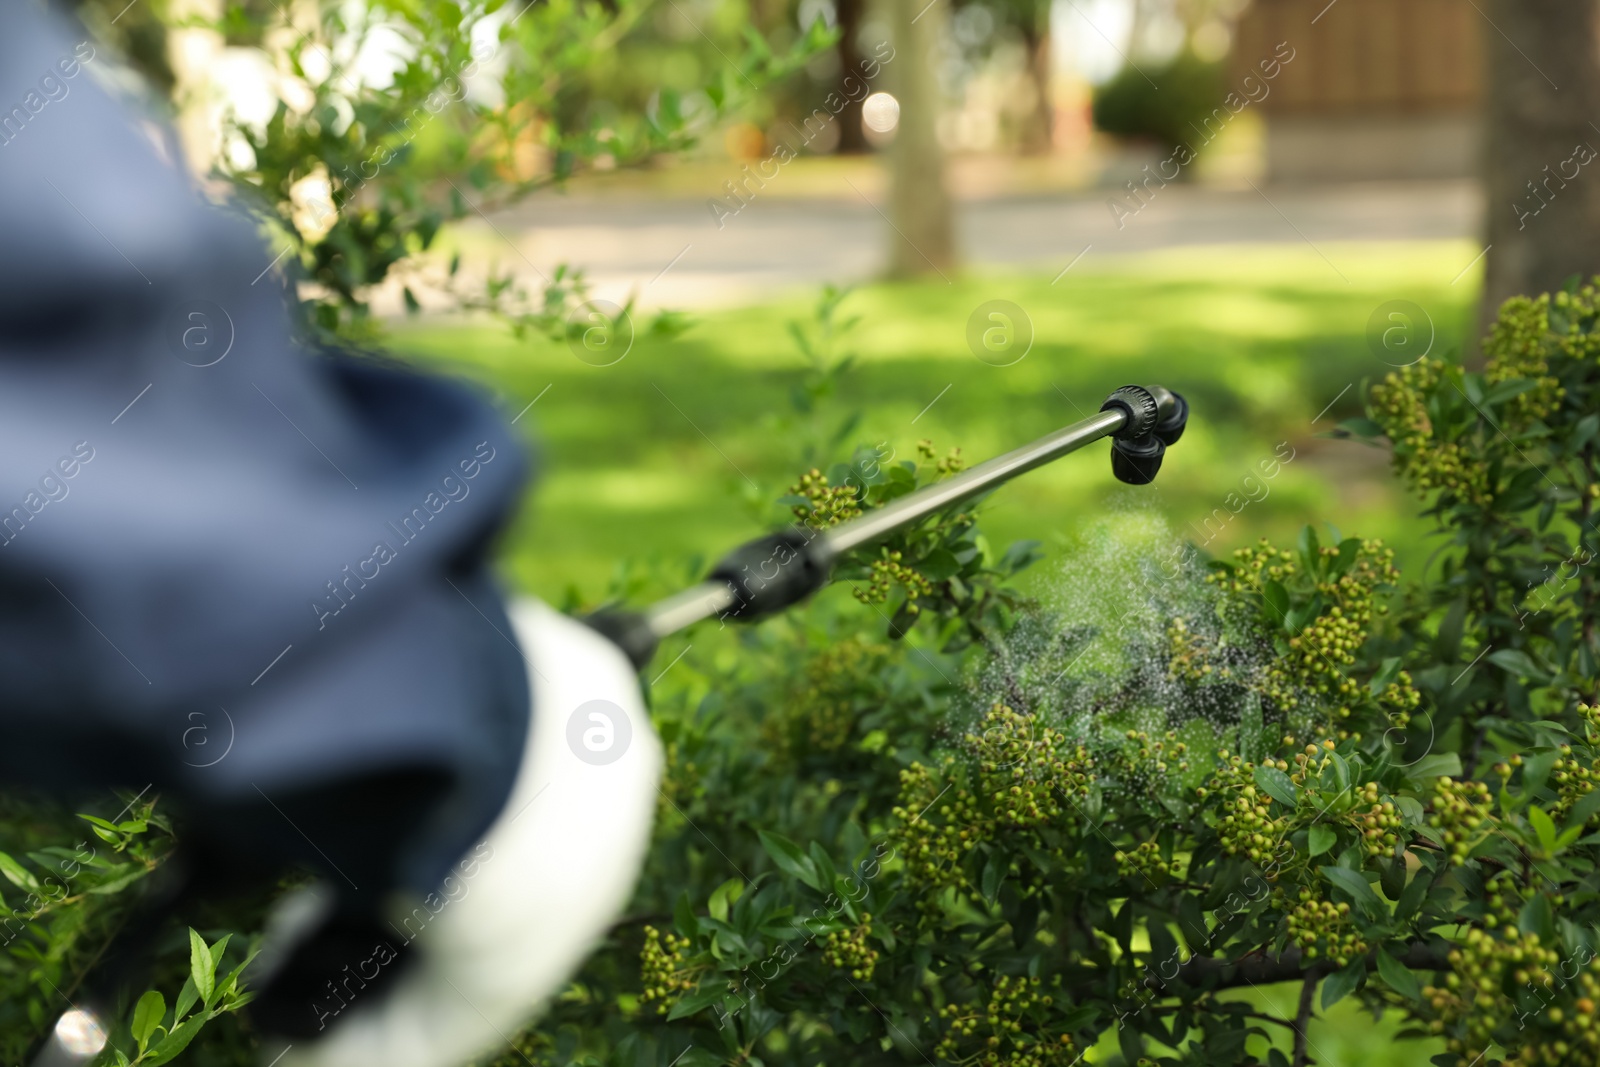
column 1585, row 809
column 1412, row 896
column 188, row 996
column 147, row 1015
column 1398, row 977
column 1536, row 917
column 1544, row 827
column 1342, row 983
column 994, row 872
column 1310, row 547
column 1362, row 427
column 939, row 565
column 1355, row 885
column 17, row 874
column 699, row 1000
column 1277, row 601
column 1435, row 765
column 176, row 1041
column 201, row 970
column 1277, row 785
column 1447, row 645
column 1517, row 662
column 790, row 859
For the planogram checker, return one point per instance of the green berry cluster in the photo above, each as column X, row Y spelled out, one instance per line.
column 1504, row 897
column 952, row 462
column 1253, row 567
column 1397, row 701
column 1487, row 970
column 1527, row 334
column 934, row 848
column 1028, row 774
column 1006, row 1031
column 680, row 784
column 826, row 505
column 1027, row 779
column 887, row 569
column 1310, row 764
column 1326, row 647
column 848, row 950
column 1573, row 780
column 1146, row 863
column 1247, row 826
column 1591, row 722
column 1461, row 814
column 1508, row 986
column 1188, row 655
column 1322, row 652
column 1141, row 757
column 1380, row 824
column 665, row 972
column 1321, row 928
column 822, row 716
column 1400, row 406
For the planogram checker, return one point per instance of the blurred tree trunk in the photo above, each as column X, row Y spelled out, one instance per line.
column 1038, row 131
column 140, row 34
column 852, row 138
column 919, row 202
column 1543, row 92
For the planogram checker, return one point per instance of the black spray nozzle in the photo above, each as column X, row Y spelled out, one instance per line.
column 1136, row 461
column 1156, row 419
column 1174, row 416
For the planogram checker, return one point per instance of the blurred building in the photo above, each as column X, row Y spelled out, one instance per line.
column 1376, row 89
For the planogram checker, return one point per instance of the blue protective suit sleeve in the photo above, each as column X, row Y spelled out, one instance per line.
column 230, row 567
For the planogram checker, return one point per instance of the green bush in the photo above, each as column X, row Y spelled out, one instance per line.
column 939, row 821
column 1190, row 89
column 1094, row 826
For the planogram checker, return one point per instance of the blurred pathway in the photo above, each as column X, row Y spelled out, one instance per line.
column 673, row 252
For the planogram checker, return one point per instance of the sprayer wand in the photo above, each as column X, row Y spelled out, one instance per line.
column 756, row 580
column 768, row 574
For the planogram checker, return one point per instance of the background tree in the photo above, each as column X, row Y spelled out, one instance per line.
column 1542, row 95
column 852, row 135
column 922, row 216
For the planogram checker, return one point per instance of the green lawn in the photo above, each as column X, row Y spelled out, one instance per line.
column 668, row 452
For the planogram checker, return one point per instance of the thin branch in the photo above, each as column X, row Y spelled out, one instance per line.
column 1265, row 1017
column 1302, row 1020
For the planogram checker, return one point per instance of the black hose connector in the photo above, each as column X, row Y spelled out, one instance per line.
column 1142, row 409
column 773, row 572
column 1156, row 418
column 765, row 576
